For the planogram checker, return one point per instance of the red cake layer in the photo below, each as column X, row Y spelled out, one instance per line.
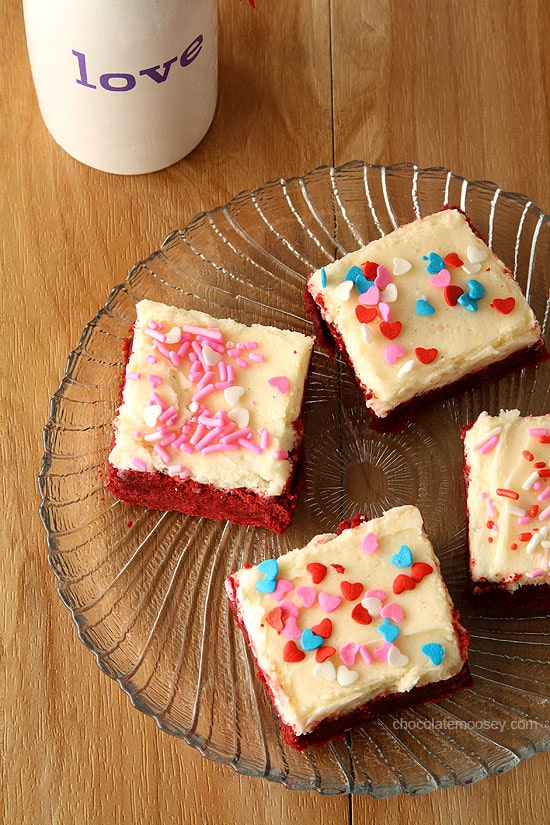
column 330, row 339
column 159, row 491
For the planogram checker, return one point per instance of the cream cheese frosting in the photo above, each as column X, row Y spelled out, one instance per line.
column 423, row 307
column 211, row 400
column 349, row 617
column 508, row 466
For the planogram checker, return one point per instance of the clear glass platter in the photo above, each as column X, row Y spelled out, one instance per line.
column 146, row 589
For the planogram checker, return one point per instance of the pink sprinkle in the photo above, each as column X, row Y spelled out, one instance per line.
column 154, row 333
column 533, row 574
column 264, row 439
column 223, row 385
column 156, row 399
column 167, row 440
column 160, row 451
column 490, row 507
column 208, row 438
column 184, row 349
column 251, row 345
column 376, row 594
column 162, row 348
column 544, row 495
column 198, row 434
column 155, row 380
column 137, row 462
column 243, row 433
column 185, row 473
column 181, row 439
column 150, row 359
column 207, row 420
column 544, row 514
column 175, row 359
column 222, row 370
column 152, row 325
column 206, row 378
column 240, row 345
column 219, row 448
column 537, row 431
column 137, row 434
column 250, row 446
column 256, row 356
column 234, row 352
column 242, row 363
column 230, row 373
column 151, row 437
column 280, row 454
column 175, row 469
column 206, row 332
column 524, row 519
column 489, row 444
column 203, row 392
column 133, row 376
column 168, row 412
column 281, row 383
column 185, row 448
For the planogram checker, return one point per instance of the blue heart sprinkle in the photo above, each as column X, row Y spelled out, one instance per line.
column 269, row 567
column 423, row 307
column 362, row 284
column 266, row 585
column 310, row 640
column 435, row 652
column 353, row 273
column 403, row 557
column 467, row 302
column 475, row 290
column 435, row 263
column 323, row 277
column 390, row 632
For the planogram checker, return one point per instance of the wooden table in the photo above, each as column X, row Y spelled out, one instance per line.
column 440, row 83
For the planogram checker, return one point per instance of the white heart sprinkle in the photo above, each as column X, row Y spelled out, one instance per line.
column 366, row 334
column 346, row 676
column 373, row 605
column 389, row 294
column 151, row 414
column 211, row 357
column 396, row 658
column 240, row 416
column 475, row 254
column 194, row 406
column 173, row 336
column 232, row 394
column 343, row 290
column 401, row 266
column 407, row 367
column 325, row 669
column 471, row 268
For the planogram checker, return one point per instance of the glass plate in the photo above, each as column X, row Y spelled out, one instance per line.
column 146, row 589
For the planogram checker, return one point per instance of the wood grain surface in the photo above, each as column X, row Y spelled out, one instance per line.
column 439, row 83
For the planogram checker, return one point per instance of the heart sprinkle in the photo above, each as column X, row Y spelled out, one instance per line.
column 441, row 278
column 401, row 266
column 475, row 290
column 269, row 568
column 291, row 653
column 475, row 254
column 351, row 590
column 452, row 293
column 348, row 653
column 393, row 611
column 396, row 658
column 308, row 595
column 403, row 582
column 233, row 394
column 361, row 615
column 383, row 277
column 326, row 670
column 504, row 305
column 291, row 629
column 435, row 263
column 420, row 569
column 434, row 651
column 369, row 543
column 365, row 314
column 343, row 290
column 281, row 383
column 392, row 353
column 403, row 557
column 423, row 307
column 372, row 605
column 317, row 571
column 346, row 677
column 390, row 330
column 453, row 260
column 329, row 602
column 425, row 356
column 390, row 632
column 323, row 629
column 324, row 652
column 467, row 302
column 310, row 640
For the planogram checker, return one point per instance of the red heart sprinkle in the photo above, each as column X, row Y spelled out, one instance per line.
column 275, row 619
column 324, row 652
column 339, row 568
column 420, row 569
column 504, row 305
column 291, row 652
column 453, row 260
column 452, row 293
column 323, row 629
column 365, row 314
column 371, row 270
column 390, row 329
column 425, row 356
column 351, row 590
column 403, row 582
column 361, row 615
column 317, row 571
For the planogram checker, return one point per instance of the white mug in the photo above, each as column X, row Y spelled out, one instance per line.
column 125, row 86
